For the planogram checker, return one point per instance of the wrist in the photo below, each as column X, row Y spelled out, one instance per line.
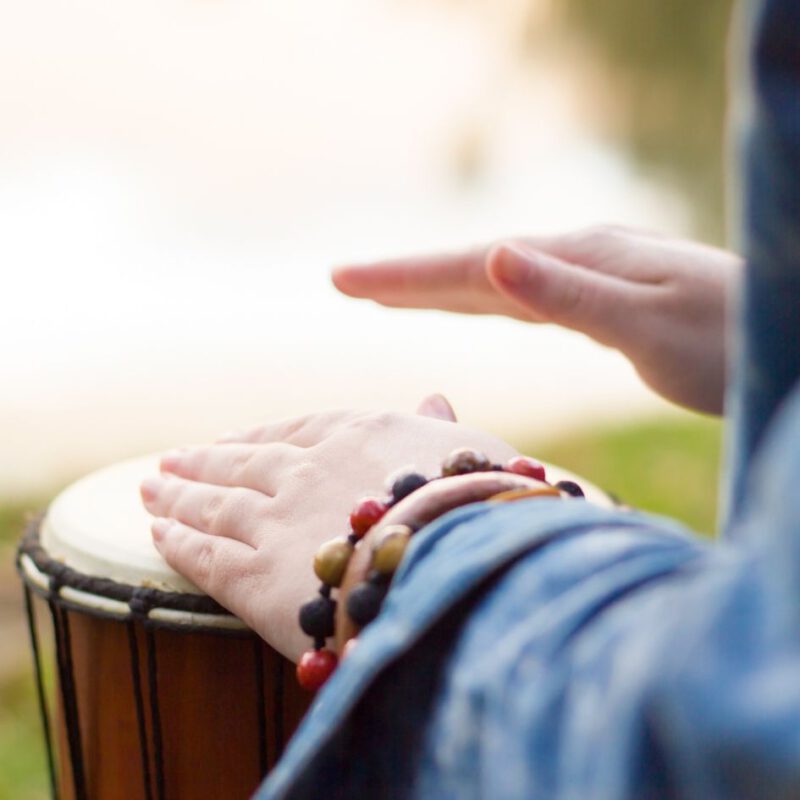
column 416, row 511
column 356, row 574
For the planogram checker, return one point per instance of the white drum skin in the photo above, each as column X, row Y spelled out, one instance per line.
column 99, row 526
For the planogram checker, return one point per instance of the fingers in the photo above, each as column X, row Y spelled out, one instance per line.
column 234, row 513
column 305, row 431
column 459, row 281
column 438, row 407
column 253, row 466
column 552, row 290
column 216, row 565
column 452, row 282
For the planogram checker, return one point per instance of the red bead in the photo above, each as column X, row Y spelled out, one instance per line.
column 315, row 667
column 367, row 512
column 522, row 465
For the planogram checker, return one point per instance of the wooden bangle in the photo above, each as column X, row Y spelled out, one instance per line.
column 419, row 509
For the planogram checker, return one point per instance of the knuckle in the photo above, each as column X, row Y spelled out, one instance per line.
column 172, row 496
column 306, row 473
column 572, row 296
column 286, row 429
column 210, row 510
column 232, row 509
column 240, row 467
column 376, row 422
column 204, row 561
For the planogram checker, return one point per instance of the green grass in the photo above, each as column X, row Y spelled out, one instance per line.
column 668, row 466
column 15, row 515
column 23, row 773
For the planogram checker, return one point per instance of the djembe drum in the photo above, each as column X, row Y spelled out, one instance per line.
column 161, row 692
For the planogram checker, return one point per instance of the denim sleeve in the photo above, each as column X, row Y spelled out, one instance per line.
column 551, row 649
column 767, row 353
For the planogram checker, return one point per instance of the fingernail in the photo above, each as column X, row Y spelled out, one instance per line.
column 230, row 436
column 171, row 460
column 439, row 403
column 150, row 488
column 160, row 527
column 512, row 265
column 441, row 407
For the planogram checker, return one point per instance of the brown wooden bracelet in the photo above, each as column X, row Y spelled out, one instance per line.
column 417, row 510
column 361, row 571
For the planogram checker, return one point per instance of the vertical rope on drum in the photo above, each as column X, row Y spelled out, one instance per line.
column 136, row 676
column 261, row 708
column 43, row 710
column 66, row 679
column 155, row 713
column 277, row 697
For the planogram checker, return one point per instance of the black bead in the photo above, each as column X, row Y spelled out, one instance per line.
column 405, row 484
column 364, row 603
column 378, row 578
column 570, row 487
column 316, row 617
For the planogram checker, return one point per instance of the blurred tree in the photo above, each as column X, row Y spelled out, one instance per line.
column 665, row 65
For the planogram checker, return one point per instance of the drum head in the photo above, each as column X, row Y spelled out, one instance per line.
column 99, row 527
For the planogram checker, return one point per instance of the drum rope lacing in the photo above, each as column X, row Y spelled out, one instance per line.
column 40, row 692
column 141, row 601
column 66, row 677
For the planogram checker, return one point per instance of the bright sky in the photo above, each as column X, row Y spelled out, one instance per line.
column 177, row 178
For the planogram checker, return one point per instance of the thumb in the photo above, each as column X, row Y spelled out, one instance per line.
column 438, row 407
column 552, row 290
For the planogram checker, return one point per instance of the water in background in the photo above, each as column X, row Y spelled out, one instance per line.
column 176, row 179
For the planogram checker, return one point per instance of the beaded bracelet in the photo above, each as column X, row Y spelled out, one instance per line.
column 317, row 616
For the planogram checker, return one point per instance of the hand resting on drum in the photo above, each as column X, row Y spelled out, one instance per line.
column 243, row 518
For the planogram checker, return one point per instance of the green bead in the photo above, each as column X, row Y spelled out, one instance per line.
column 464, row 461
column 332, row 559
column 389, row 549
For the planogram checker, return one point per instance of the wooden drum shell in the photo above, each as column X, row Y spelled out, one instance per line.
column 208, row 689
column 225, row 704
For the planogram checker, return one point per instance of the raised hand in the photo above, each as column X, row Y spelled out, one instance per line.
column 660, row 301
column 243, row 518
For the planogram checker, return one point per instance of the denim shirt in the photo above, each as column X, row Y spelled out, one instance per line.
column 768, row 353
column 553, row 649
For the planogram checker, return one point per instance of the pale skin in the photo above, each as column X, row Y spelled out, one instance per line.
column 660, row 301
column 242, row 518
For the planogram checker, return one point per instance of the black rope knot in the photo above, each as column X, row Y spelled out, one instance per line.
column 140, row 604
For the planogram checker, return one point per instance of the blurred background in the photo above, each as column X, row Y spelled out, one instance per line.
column 177, row 177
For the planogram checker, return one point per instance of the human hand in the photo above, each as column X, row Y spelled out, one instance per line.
column 660, row 301
column 243, row 518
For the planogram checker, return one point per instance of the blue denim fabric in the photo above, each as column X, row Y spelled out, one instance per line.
column 768, row 356
column 550, row 649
